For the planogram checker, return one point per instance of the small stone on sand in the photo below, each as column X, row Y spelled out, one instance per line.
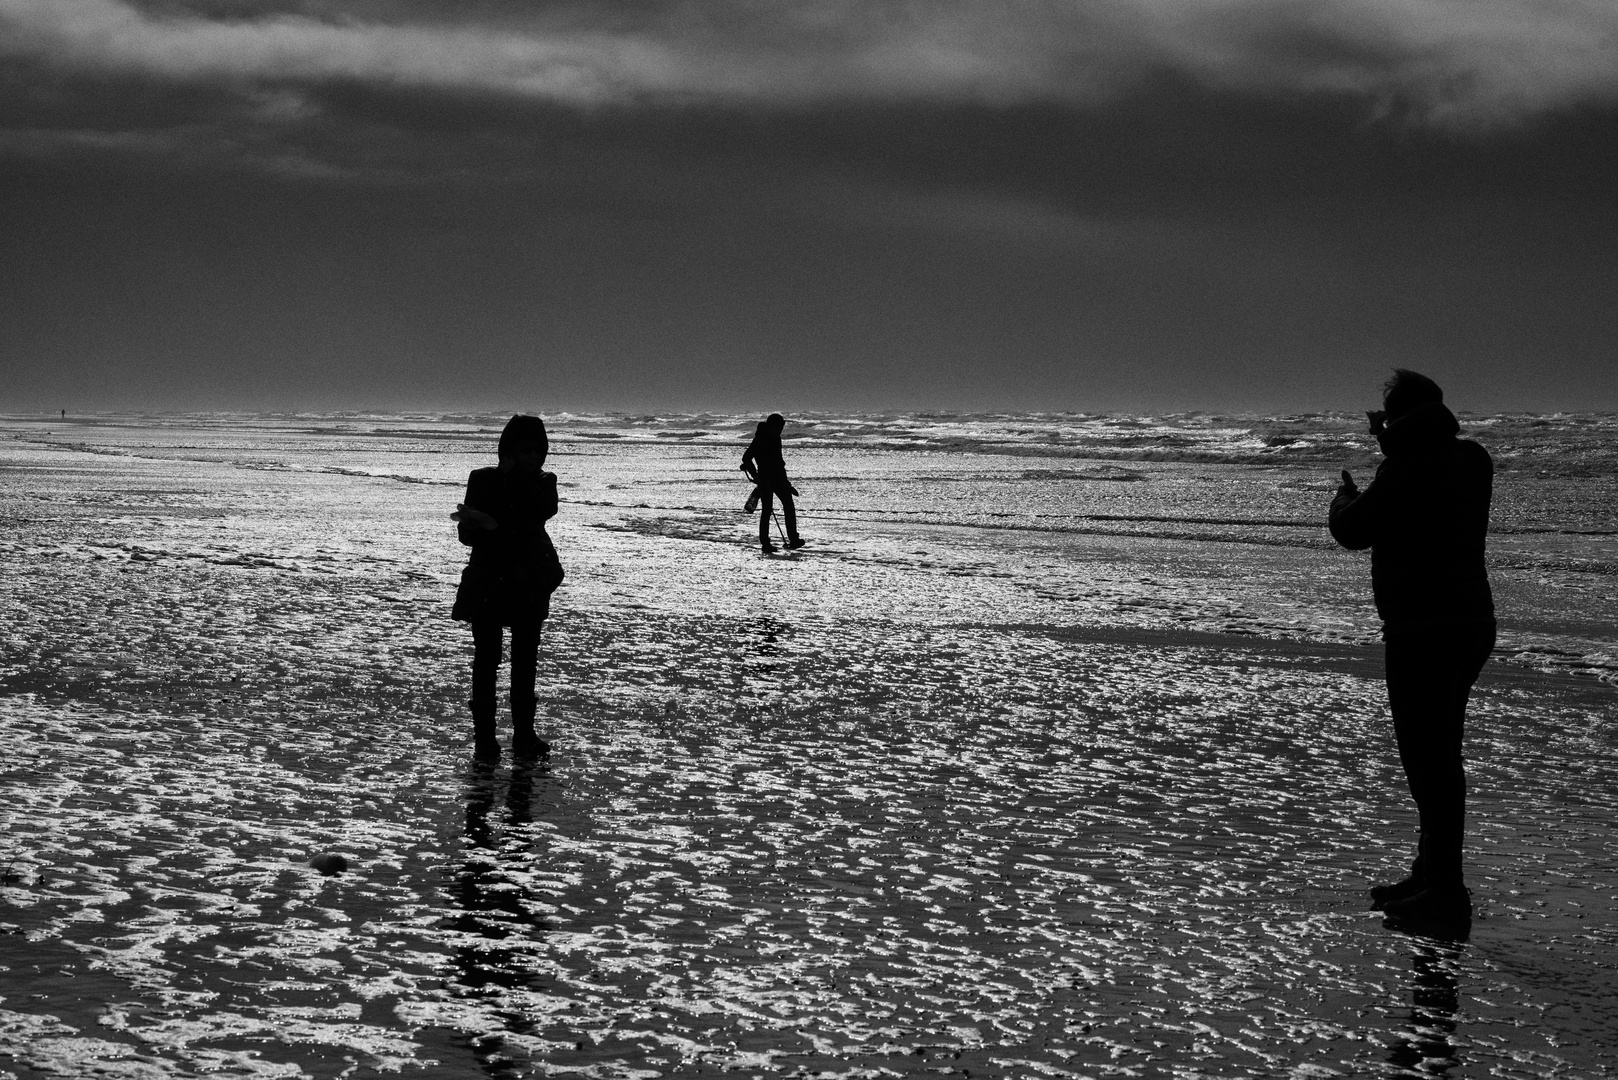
column 329, row 862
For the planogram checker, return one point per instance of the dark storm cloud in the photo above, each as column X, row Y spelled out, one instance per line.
column 1035, row 94
column 1122, row 202
column 1457, row 62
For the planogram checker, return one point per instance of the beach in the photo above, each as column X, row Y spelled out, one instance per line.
column 1061, row 750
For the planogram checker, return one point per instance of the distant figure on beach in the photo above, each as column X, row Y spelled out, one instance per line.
column 508, row 580
column 1425, row 517
column 763, row 463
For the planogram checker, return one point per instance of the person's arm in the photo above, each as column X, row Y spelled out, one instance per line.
column 473, row 525
column 750, row 461
column 1356, row 516
column 549, row 503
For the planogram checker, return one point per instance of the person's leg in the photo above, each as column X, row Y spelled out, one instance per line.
column 485, row 665
column 790, row 512
column 1443, row 806
column 766, row 510
column 1429, row 678
column 524, row 703
column 1404, row 663
column 1463, row 656
column 1419, row 698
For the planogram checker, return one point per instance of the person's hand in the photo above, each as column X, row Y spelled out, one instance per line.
column 794, row 490
column 1378, row 420
column 476, row 518
column 1348, row 487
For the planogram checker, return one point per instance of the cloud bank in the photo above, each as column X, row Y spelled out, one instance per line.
column 1456, row 63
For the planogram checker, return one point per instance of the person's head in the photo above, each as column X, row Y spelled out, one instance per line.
column 523, row 443
column 775, row 421
column 1407, row 390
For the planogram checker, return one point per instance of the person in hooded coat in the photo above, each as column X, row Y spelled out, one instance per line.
column 1425, row 518
column 766, row 466
column 508, row 580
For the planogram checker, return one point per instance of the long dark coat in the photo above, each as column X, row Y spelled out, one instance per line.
column 513, row 569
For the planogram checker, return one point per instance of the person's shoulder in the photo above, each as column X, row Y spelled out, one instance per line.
column 1474, row 454
column 484, row 478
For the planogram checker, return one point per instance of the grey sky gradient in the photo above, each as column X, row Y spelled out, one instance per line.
column 1119, row 204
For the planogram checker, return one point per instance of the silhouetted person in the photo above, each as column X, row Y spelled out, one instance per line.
column 509, row 579
column 1425, row 517
column 764, row 465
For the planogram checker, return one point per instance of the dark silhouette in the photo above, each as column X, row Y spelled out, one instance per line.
column 764, row 464
column 509, row 579
column 1425, row 518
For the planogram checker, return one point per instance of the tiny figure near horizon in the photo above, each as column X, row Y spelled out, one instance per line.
column 1425, row 518
column 765, row 465
column 508, row 580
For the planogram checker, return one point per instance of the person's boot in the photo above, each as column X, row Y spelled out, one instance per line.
column 1406, row 887
column 485, row 747
column 795, row 543
column 767, row 547
column 525, row 743
column 1403, row 889
column 1442, row 900
column 1438, row 902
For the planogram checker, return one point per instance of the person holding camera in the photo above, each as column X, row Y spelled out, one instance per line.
column 508, row 580
column 1425, row 518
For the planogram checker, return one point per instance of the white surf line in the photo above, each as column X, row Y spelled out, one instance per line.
column 258, row 466
column 854, row 513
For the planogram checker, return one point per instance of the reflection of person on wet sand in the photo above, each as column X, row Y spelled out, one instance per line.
column 509, row 579
column 1427, row 1048
column 765, row 465
column 1425, row 518
column 489, row 907
column 501, row 935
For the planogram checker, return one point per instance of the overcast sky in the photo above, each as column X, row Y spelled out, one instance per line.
column 741, row 204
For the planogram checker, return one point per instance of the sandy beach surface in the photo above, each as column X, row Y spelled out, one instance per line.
column 1061, row 751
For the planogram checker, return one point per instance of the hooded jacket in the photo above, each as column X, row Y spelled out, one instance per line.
column 1425, row 518
column 764, row 458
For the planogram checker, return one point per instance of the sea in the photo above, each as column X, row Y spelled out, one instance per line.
column 1060, row 750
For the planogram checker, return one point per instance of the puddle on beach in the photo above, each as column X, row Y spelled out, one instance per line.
column 928, row 799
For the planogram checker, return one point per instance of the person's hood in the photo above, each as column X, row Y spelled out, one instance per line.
column 1424, row 426
column 521, row 431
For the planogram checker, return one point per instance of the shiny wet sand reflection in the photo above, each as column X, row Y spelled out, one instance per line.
column 1034, row 805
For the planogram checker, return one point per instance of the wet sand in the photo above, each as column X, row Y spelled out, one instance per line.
column 933, row 813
